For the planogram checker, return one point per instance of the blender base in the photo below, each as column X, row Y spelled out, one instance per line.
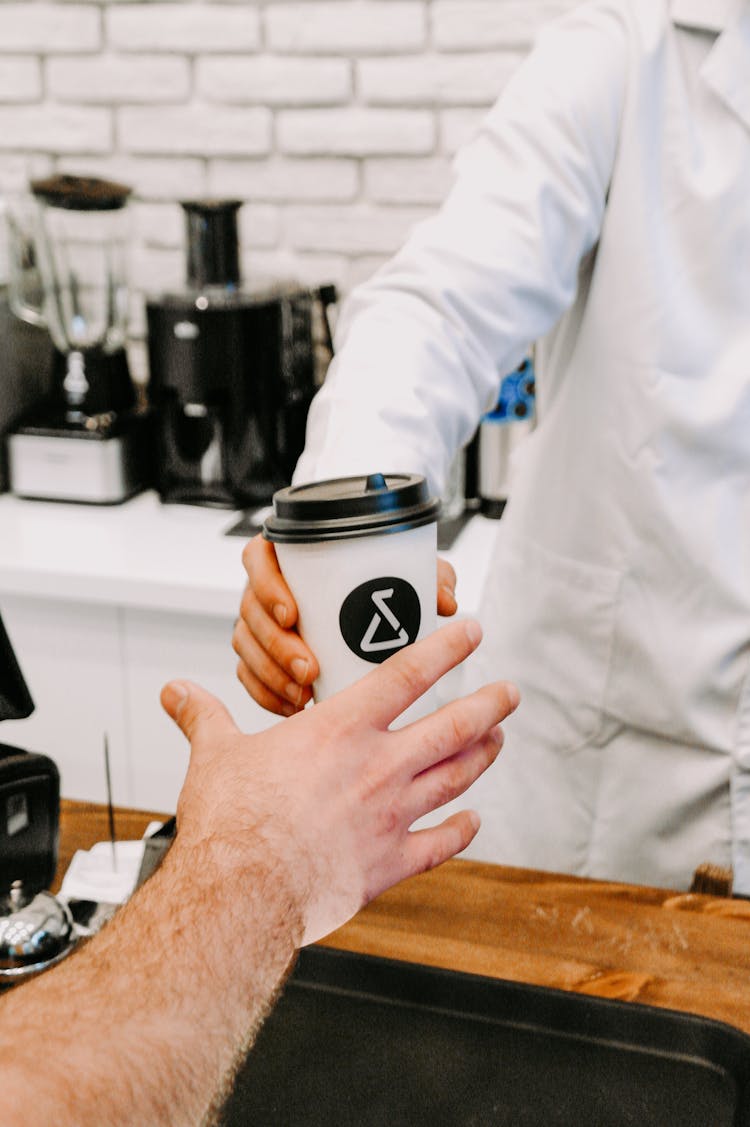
column 51, row 459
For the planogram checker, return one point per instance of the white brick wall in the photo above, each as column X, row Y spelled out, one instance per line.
column 195, row 129
column 354, row 27
column 50, row 28
column 20, row 79
column 462, row 80
column 274, row 80
column 334, row 120
column 481, row 25
column 355, row 131
column 189, row 28
column 112, row 78
column 395, row 181
column 285, row 179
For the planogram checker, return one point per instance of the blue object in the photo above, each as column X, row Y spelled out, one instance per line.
column 517, row 395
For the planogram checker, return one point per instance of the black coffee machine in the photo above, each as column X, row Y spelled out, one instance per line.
column 232, row 372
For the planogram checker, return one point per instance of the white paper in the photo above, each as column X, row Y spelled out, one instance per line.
column 94, row 874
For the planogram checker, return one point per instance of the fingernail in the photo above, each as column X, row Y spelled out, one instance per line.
column 473, row 632
column 175, row 694
column 279, row 613
column 288, row 709
column 299, row 669
column 476, row 821
column 514, row 697
column 449, row 592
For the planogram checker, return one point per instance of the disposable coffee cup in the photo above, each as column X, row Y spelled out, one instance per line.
column 359, row 554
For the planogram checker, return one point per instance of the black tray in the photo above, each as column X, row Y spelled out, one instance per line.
column 362, row 1042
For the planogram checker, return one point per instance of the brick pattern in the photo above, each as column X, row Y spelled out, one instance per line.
column 334, row 120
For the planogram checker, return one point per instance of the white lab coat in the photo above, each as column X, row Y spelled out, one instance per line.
column 604, row 209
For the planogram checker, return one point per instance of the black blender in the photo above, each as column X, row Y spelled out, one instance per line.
column 89, row 441
column 232, row 372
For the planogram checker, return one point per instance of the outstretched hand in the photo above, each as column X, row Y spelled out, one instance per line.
column 332, row 792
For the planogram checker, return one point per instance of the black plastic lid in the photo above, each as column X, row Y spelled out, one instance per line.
column 81, row 193
column 213, row 257
column 345, row 507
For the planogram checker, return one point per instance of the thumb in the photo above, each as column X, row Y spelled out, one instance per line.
column 195, row 711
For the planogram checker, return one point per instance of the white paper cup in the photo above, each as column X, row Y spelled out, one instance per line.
column 360, row 557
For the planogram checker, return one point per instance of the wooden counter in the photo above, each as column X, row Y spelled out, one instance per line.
column 681, row 951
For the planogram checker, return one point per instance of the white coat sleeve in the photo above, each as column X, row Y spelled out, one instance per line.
column 421, row 347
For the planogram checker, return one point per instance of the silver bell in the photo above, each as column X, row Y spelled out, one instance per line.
column 35, row 932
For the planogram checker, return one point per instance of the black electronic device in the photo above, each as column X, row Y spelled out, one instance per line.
column 36, row 929
column 29, row 792
column 29, row 819
column 232, row 372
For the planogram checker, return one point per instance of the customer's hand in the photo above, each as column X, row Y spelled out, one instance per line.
column 331, row 794
column 275, row 665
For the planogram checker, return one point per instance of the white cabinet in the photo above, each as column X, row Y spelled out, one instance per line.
column 158, row 646
column 103, row 606
column 70, row 655
column 94, row 669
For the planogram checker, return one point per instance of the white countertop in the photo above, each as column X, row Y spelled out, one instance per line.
column 140, row 553
column 150, row 555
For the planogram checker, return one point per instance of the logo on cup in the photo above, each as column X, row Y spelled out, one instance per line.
column 380, row 617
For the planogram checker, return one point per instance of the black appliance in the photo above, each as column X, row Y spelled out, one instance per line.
column 88, row 440
column 29, row 791
column 27, row 362
column 29, row 816
column 36, row 929
column 232, row 372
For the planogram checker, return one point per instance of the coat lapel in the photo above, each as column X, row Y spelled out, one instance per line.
column 727, row 68
column 704, row 15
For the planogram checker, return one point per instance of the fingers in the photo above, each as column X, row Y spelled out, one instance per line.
column 431, row 847
column 266, row 580
column 196, row 712
column 451, row 778
column 263, row 695
column 276, row 658
column 400, row 680
column 426, row 849
column 446, row 588
column 275, row 664
column 456, row 726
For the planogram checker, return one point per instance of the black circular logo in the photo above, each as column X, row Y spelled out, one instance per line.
column 380, row 617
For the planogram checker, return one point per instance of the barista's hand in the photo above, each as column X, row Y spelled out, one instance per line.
column 275, row 666
column 329, row 796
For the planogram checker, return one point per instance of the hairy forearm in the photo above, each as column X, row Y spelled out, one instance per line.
column 147, row 1022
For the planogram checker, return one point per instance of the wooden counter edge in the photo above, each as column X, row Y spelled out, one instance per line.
column 635, row 943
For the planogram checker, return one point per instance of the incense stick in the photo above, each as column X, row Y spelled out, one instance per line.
column 110, row 807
